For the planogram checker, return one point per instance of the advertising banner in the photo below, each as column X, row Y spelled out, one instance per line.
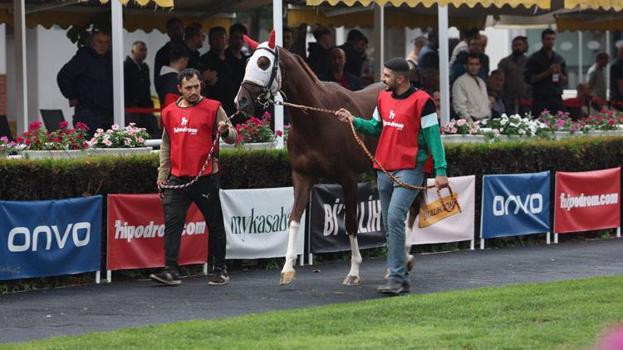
column 327, row 229
column 455, row 228
column 587, row 200
column 50, row 238
column 515, row 204
column 136, row 233
column 256, row 222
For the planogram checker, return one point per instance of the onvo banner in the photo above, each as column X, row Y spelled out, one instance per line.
column 587, row 200
column 515, row 204
column 256, row 222
column 50, row 238
column 327, row 228
column 455, row 228
column 136, row 233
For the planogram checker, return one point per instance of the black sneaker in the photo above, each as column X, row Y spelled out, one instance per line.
column 169, row 277
column 220, row 277
column 394, row 288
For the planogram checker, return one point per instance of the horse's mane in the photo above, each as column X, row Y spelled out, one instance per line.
column 308, row 71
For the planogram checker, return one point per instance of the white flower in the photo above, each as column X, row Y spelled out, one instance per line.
column 504, row 121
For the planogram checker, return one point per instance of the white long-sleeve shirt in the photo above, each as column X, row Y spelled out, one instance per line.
column 470, row 99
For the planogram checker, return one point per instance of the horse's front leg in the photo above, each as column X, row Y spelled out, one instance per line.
column 302, row 186
column 349, row 188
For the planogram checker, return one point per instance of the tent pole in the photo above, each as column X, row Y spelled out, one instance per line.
column 278, row 27
column 117, row 62
column 21, row 78
column 444, row 71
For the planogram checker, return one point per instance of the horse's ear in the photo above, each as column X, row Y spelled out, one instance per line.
column 271, row 39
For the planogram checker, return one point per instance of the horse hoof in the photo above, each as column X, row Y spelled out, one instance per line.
column 287, row 277
column 351, row 280
column 410, row 262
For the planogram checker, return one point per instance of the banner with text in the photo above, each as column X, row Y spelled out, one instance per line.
column 136, row 233
column 587, row 200
column 50, row 238
column 515, row 204
column 327, row 229
column 455, row 228
column 256, row 222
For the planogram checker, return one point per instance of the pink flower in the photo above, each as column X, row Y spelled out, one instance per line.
column 115, row 127
column 141, row 140
column 82, row 126
column 34, row 125
column 4, row 139
column 461, row 122
column 278, row 133
column 63, row 124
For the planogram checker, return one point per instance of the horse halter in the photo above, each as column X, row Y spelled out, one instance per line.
column 266, row 96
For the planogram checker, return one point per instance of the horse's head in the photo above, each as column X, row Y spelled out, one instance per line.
column 262, row 79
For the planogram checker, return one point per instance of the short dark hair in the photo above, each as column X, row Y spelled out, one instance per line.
column 398, row 65
column 238, row 28
column 472, row 32
column 288, row 29
column 191, row 31
column 355, row 35
column 472, row 55
column 496, row 72
column 520, row 37
column 187, row 74
column 602, row 55
column 177, row 51
column 215, row 31
column 547, row 32
column 320, row 31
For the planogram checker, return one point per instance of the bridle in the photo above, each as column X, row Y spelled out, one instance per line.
column 267, row 96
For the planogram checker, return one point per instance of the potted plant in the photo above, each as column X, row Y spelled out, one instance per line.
column 256, row 133
column 119, row 141
column 514, row 127
column 62, row 143
column 461, row 131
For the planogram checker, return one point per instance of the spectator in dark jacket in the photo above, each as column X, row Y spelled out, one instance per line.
column 86, row 81
column 355, row 50
column 234, row 57
column 474, row 46
column 167, row 81
column 175, row 31
column 338, row 73
column 318, row 58
column 137, row 88
column 193, row 39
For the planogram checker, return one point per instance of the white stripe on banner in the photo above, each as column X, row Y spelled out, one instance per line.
column 256, row 222
column 429, row 120
column 455, row 228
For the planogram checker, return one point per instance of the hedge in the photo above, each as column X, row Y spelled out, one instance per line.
column 54, row 179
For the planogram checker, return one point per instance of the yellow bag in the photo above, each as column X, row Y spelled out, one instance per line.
column 439, row 209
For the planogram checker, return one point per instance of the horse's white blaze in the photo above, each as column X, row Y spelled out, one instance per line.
column 291, row 252
column 355, row 257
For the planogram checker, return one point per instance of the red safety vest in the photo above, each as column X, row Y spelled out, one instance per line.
column 398, row 143
column 191, row 131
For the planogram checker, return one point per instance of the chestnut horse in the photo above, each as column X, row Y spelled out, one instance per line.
column 319, row 145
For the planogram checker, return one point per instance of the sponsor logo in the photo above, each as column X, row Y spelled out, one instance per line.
column 185, row 129
column 128, row 232
column 568, row 202
column 368, row 217
column 255, row 223
column 184, row 121
column 22, row 239
column 513, row 204
column 392, row 114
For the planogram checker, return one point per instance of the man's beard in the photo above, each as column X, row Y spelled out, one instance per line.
column 518, row 53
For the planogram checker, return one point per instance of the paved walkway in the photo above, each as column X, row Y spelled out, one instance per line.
column 76, row 310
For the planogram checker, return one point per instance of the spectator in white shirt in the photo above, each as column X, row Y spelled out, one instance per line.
column 469, row 92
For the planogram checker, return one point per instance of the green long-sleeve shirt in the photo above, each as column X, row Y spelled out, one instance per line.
column 429, row 138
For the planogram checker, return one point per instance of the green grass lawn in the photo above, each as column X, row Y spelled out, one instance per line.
column 561, row 315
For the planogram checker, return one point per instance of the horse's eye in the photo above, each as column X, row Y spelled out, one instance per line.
column 263, row 62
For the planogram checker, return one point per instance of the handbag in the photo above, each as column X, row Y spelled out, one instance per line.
column 437, row 210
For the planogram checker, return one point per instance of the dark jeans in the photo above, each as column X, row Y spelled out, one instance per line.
column 552, row 103
column 205, row 194
column 93, row 118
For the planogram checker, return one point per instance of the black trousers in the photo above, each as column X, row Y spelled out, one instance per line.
column 552, row 103
column 205, row 194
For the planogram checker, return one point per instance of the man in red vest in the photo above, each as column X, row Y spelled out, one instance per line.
column 190, row 126
column 406, row 120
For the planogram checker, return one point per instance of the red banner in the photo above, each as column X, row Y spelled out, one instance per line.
column 587, row 200
column 136, row 233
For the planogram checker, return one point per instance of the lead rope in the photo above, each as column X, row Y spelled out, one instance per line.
column 446, row 206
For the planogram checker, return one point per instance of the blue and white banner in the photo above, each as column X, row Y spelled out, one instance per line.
column 50, row 238
column 515, row 204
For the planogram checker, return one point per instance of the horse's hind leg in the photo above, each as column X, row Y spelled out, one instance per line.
column 302, row 186
column 349, row 187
